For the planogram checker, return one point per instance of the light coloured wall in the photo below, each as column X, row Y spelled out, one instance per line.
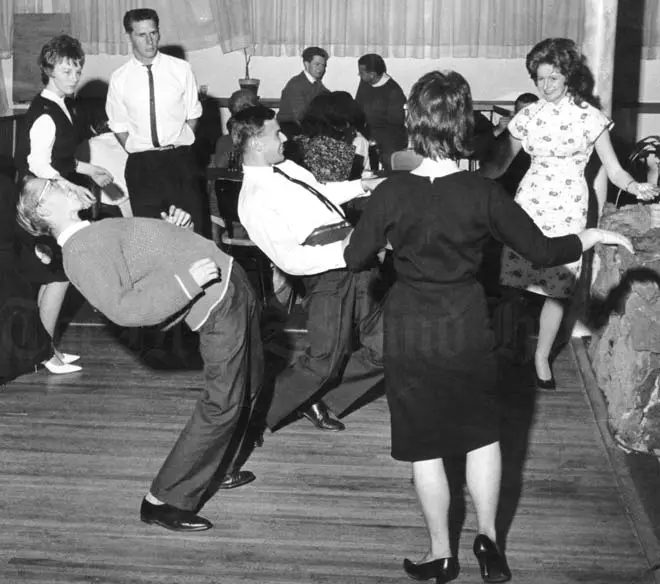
column 490, row 79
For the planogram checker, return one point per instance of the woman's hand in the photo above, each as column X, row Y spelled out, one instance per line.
column 644, row 191
column 590, row 237
column 100, row 176
column 85, row 196
column 178, row 217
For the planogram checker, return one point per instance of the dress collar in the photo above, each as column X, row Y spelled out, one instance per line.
column 436, row 168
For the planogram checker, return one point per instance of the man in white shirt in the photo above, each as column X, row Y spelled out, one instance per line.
column 279, row 214
column 153, row 108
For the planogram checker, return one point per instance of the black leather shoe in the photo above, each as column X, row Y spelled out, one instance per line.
column 236, row 479
column 443, row 570
column 172, row 518
column 319, row 415
column 492, row 562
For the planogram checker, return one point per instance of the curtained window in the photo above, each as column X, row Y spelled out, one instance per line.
column 191, row 24
column 497, row 29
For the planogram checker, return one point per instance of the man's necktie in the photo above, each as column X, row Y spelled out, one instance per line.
column 152, row 109
column 320, row 196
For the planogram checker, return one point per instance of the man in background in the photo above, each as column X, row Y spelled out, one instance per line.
column 301, row 89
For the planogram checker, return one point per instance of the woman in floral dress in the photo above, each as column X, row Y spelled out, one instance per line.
column 559, row 132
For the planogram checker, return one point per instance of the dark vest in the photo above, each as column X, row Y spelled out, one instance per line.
column 66, row 137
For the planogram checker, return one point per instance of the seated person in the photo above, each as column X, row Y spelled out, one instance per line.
column 223, row 195
column 223, row 155
column 327, row 144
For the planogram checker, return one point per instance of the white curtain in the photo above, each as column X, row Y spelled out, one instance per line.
column 191, row 24
column 413, row 28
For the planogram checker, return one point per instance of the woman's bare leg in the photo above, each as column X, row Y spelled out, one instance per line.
column 434, row 497
column 549, row 323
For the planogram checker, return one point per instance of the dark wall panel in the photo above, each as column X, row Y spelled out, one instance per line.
column 31, row 32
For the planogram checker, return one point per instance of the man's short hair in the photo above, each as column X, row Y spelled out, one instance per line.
column 58, row 49
column 373, row 63
column 310, row 52
column 139, row 15
column 249, row 123
column 27, row 208
column 523, row 100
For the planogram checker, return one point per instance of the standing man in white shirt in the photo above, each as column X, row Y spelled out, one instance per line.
column 281, row 205
column 153, row 108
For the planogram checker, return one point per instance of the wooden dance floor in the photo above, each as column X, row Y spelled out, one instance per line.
column 79, row 452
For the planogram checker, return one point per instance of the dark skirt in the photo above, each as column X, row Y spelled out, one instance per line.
column 440, row 371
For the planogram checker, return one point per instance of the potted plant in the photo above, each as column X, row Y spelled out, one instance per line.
column 248, row 82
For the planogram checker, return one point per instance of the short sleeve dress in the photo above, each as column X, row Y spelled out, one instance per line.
column 559, row 139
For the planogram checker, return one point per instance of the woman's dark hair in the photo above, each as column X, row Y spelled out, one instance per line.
column 57, row 49
column 334, row 115
column 373, row 63
column 440, row 120
column 564, row 55
column 140, row 15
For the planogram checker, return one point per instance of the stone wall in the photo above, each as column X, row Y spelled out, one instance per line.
column 625, row 350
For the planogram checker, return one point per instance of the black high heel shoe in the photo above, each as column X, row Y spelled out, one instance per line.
column 443, row 570
column 547, row 384
column 492, row 562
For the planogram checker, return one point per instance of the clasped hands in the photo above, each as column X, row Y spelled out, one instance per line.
column 202, row 271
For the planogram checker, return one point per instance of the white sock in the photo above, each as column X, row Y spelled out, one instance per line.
column 151, row 499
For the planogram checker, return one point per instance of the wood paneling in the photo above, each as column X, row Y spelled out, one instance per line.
column 79, row 451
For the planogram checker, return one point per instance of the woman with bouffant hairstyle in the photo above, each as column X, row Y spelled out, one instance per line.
column 439, row 357
column 559, row 131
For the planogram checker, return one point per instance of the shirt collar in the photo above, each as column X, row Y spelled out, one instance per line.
column 309, row 77
column 382, row 81
column 48, row 94
column 436, row 168
column 63, row 237
column 139, row 63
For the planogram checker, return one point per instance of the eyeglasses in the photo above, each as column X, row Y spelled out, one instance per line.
column 43, row 191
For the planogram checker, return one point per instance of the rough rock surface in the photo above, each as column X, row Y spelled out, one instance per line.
column 625, row 350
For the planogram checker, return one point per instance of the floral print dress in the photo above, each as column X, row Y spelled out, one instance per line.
column 560, row 138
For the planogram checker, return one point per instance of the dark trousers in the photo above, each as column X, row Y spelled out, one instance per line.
column 230, row 344
column 157, row 179
column 342, row 311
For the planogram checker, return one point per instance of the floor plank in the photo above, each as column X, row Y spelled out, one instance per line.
column 79, row 451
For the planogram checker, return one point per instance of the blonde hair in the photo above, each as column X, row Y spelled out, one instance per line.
column 28, row 210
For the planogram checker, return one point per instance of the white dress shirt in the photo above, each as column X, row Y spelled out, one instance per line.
column 42, row 139
column 176, row 100
column 279, row 215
